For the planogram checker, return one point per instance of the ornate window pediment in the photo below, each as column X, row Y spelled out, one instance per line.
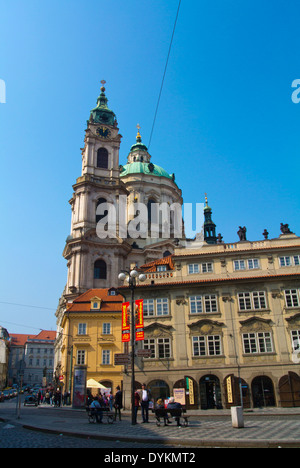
column 156, row 330
column 256, row 324
column 206, row 327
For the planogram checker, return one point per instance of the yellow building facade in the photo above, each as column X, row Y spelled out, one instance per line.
column 91, row 336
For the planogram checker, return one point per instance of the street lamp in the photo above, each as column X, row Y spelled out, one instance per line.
column 130, row 277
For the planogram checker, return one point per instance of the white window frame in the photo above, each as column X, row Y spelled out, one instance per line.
column 160, row 347
column 81, row 357
column 156, row 307
column 196, row 306
column 246, row 264
column 295, row 337
column 253, row 264
column 106, row 328
column 204, row 304
column 288, row 260
column 193, row 268
column 258, row 343
column 255, row 300
column 207, row 345
column 106, row 357
column 239, row 265
column 82, row 329
column 149, row 307
column 292, row 298
column 162, row 306
column 161, row 268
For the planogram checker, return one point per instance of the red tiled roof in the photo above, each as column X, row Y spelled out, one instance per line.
column 236, row 251
column 18, row 339
column 216, row 280
column 108, row 303
column 151, row 266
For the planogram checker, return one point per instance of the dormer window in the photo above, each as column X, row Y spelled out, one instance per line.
column 95, row 303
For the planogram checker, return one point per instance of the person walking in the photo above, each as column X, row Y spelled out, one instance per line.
column 118, row 403
column 145, row 400
column 137, row 400
column 110, row 401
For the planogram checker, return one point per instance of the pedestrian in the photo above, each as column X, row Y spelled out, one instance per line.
column 137, row 400
column 47, row 398
column 110, row 401
column 145, row 400
column 57, row 398
column 118, row 403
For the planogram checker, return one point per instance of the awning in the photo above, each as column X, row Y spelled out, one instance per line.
column 91, row 383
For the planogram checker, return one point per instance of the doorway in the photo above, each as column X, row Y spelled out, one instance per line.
column 263, row 392
column 210, row 392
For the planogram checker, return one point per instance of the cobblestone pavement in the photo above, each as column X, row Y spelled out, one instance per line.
column 15, row 436
column 279, row 428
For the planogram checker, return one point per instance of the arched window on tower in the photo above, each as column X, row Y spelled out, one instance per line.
column 100, row 270
column 99, row 217
column 102, row 158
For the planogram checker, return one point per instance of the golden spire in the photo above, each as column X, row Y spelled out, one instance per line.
column 138, row 136
column 206, row 202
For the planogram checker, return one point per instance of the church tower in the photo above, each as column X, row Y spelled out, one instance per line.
column 93, row 261
column 209, row 226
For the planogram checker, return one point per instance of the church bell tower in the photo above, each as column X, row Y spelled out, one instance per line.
column 95, row 262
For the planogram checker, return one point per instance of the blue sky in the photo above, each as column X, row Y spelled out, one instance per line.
column 226, row 124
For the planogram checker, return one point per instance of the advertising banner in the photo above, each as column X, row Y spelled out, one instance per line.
column 125, row 323
column 139, row 320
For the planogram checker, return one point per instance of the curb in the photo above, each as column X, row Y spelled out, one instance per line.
column 222, row 443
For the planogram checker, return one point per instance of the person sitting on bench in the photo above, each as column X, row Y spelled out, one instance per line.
column 163, row 413
column 96, row 408
column 173, row 405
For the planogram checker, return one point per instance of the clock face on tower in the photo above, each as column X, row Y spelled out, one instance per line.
column 103, row 132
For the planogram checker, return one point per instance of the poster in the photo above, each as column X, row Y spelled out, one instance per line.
column 79, row 387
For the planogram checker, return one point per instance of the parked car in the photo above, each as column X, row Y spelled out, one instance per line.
column 30, row 400
column 6, row 394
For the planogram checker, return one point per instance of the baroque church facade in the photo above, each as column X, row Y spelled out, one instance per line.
column 95, row 262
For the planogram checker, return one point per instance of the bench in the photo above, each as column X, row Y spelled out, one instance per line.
column 175, row 413
column 107, row 414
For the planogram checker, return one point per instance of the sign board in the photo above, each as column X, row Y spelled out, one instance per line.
column 179, row 395
column 144, row 352
column 121, row 359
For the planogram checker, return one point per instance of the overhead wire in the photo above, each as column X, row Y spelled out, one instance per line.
column 164, row 74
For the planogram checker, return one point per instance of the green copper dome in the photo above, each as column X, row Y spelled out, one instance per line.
column 144, row 168
column 101, row 113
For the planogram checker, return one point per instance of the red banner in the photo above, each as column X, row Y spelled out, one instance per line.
column 125, row 323
column 139, row 320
